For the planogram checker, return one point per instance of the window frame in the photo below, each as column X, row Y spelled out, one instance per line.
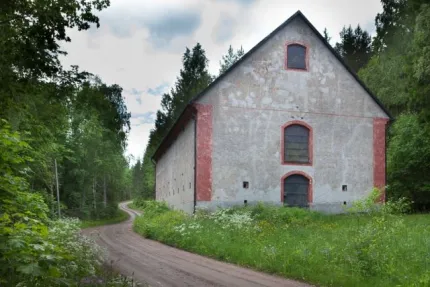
column 310, row 186
column 306, row 46
column 310, row 144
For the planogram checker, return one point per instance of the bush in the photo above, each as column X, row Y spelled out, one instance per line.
column 37, row 251
column 408, row 155
column 151, row 207
column 283, row 215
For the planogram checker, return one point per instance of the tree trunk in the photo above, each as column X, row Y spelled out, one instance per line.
column 94, row 195
column 104, row 192
column 58, row 188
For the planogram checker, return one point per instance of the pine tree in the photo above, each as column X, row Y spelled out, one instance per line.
column 193, row 78
column 230, row 58
column 354, row 47
column 326, row 35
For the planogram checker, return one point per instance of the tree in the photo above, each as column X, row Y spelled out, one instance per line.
column 408, row 160
column 193, row 78
column 398, row 74
column 326, row 35
column 230, row 58
column 31, row 32
column 354, row 47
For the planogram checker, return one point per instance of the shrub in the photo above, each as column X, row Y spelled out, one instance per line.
column 283, row 215
column 152, row 208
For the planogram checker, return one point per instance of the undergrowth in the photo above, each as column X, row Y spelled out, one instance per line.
column 368, row 246
column 120, row 216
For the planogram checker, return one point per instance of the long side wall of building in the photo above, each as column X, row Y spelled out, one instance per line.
column 175, row 171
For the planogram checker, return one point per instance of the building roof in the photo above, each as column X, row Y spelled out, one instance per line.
column 298, row 14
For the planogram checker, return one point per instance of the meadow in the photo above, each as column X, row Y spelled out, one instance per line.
column 367, row 246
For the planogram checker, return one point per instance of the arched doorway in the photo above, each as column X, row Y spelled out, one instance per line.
column 296, row 190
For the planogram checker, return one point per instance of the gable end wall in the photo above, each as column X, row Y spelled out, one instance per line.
column 258, row 97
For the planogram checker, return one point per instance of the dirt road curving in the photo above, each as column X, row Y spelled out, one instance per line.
column 156, row 264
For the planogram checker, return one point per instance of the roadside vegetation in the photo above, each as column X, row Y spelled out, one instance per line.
column 378, row 247
column 63, row 133
column 119, row 217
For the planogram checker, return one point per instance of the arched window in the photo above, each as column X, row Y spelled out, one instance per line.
column 296, row 57
column 297, row 143
column 296, row 190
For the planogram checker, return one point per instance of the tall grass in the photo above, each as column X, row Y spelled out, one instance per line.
column 373, row 249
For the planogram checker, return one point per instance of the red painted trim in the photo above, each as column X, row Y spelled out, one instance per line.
column 286, row 56
column 203, row 171
column 310, row 144
column 379, row 125
column 310, row 187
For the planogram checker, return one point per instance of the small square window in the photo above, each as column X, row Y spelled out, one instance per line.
column 344, row 187
column 245, row 184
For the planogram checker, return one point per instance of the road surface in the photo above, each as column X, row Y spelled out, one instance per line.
column 155, row 264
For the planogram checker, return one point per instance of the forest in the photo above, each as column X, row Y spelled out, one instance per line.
column 63, row 131
column 394, row 64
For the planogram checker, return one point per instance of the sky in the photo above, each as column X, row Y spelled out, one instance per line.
column 140, row 43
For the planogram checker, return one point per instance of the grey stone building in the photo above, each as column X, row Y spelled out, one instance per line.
column 289, row 123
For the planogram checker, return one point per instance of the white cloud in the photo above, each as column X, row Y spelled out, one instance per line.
column 140, row 43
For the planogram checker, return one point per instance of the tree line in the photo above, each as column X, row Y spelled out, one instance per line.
column 67, row 117
column 394, row 64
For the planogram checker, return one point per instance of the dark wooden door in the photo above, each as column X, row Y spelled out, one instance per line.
column 296, row 190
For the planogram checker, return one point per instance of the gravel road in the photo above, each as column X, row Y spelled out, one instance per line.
column 156, row 264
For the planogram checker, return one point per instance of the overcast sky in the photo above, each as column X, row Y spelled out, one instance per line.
column 140, row 42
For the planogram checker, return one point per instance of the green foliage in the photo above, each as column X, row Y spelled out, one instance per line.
column 230, row 58
column 367, row 204
column 399, row 74
column 326, row 35
column 49, row 113
column 193, row 78
column 32, row 31
column 152, row 208
column 327, row 250
column 118, row 217
column 408, row 160
column 36, row 251
column 354, row 47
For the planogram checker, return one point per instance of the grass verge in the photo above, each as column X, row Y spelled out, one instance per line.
column 120, row 217
column 132, row 205
column 379, row 249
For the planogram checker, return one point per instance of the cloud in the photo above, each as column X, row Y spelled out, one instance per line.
column 143, row 118
column 241, row 2
column 224, row 30
column 162, row 25
column 158, row 90
column 171, row 24
column 135, row 92
column 128, row 47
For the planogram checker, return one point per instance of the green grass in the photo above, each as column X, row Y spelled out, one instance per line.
column 327, row 250
column 134, row 206
column 120, row 217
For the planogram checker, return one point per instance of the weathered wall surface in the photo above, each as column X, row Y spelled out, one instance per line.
column 254, row 100
column 175, row 172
